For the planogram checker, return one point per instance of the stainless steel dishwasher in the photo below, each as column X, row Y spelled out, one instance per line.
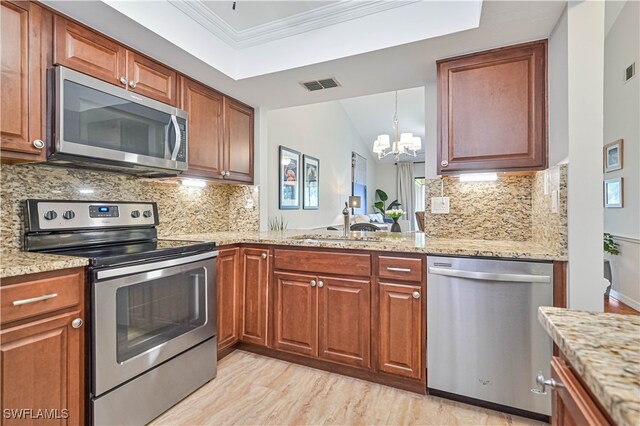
column 484, row 339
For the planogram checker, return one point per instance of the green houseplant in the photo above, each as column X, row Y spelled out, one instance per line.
column 380, row 205
column 613, row 248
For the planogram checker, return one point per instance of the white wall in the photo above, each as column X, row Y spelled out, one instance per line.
column 431, row 130
column 585, row 47
column 621, row 121
column 323, row 131
column 386, row 179
column 557, row 86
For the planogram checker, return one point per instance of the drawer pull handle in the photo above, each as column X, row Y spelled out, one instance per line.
column 392, row 269
column 35, row 299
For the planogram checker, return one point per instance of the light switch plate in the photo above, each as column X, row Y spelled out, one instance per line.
column 440, row 205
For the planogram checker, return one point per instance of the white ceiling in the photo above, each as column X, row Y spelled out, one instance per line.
column 400, row 67
column 372, row 115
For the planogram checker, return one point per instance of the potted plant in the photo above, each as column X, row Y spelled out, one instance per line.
column 613, row 248
column 380, row 205
column 395, row 214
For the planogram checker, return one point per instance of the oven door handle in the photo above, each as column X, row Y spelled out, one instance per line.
column 135, row 269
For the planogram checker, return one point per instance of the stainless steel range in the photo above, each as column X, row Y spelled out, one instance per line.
column 153, row 330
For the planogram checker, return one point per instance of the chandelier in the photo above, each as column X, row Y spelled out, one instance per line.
column 406, row 144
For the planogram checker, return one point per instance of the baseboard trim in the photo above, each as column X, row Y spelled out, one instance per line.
column 626, row 300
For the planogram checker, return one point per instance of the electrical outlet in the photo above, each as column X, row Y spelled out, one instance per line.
column 440, row 205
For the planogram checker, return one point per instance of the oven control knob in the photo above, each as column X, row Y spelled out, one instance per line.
column 50, row 215
column 69, row 214
column 135, row 213
column 147, row 213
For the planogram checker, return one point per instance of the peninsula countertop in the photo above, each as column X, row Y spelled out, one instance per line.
column 604, row 349
column 414, row 242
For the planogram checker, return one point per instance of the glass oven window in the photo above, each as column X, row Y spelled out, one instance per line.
column 97, row 119
column 153, row 312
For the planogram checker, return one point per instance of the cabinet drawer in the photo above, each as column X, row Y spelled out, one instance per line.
column 323, row 262
column 400, row 268
column 40, row 296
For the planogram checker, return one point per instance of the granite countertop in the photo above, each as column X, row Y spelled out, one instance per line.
column 415, row 242
column 604, row 349
column 14, row 263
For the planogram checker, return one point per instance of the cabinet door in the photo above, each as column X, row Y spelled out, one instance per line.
column 295, row 313
column 204, row 106
column 493, row 110
column 238, row 141
column 227, row 297
column 43, row 368
column 571, row 404
column 88, row 52
column 151, row 79
column 21, row 78
column 255, row 282
column 344, row 320
column 400, row 339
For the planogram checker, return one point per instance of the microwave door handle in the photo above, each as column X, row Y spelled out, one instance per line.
column 176, row 148
column 170, row 146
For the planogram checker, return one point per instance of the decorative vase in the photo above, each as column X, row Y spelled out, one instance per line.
column 396, row 226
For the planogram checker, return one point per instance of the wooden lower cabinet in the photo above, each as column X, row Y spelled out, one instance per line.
column 400, row 330
column 571, row 403
column 295, row 313
column 344, row 320
column 227, row 285
column 253, row 295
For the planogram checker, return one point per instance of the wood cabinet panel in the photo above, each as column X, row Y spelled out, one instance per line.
column 295, row 314
column 400, row 330
column 43, row 368
column 86, row 51
column 23, row 51
column 572, row 404
column 344, row 320
column 400, row 268
column 323, row 262
column 255, row 280
column 238, row 141
column 227, row 286
column 204, row 106
column 493, row 110
column 151, row 79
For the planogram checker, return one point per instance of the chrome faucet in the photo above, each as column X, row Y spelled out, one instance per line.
column 347, row 219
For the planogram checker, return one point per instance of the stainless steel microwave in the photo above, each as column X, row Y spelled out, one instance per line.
column 99, row 125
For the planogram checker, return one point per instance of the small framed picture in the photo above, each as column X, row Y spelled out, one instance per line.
column 311, row 186
column 613, row 156
column 613, row 193
column 289, row 176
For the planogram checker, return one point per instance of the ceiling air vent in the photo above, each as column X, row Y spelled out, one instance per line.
column 325, row 83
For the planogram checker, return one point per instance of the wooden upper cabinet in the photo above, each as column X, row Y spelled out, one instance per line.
column 295, row 313
column 151, row 79
column 492, row 110
column 86, row 51
column 253, row 300
column 204, row 106
column 344, row 320
column 400, row 327
column 23, row 47
column 227, row 286
column 238, row 141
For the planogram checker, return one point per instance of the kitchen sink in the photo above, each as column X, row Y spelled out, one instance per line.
column 362, row 239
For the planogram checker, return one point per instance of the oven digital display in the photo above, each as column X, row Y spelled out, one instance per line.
column 103, row 211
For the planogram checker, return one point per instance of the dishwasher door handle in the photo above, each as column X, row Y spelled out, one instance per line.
column 489, row 276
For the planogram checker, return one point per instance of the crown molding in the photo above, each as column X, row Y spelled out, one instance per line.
column 324, row 16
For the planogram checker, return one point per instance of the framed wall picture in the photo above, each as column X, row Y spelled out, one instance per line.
column 289, row 185
column 613, row 193
column 311, row 182
column 613, row 153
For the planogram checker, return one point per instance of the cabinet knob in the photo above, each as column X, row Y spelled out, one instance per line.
column 416, row 294
column 263, row 255
column 77, row 323
column 543, row 383
column 224, row 173
column 133, row 84
column 38, row 143
column 313, row 283
column 444, row 163
column 123, row 80
column 320, row 284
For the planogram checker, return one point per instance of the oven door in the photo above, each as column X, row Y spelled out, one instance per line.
column 146, row 314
